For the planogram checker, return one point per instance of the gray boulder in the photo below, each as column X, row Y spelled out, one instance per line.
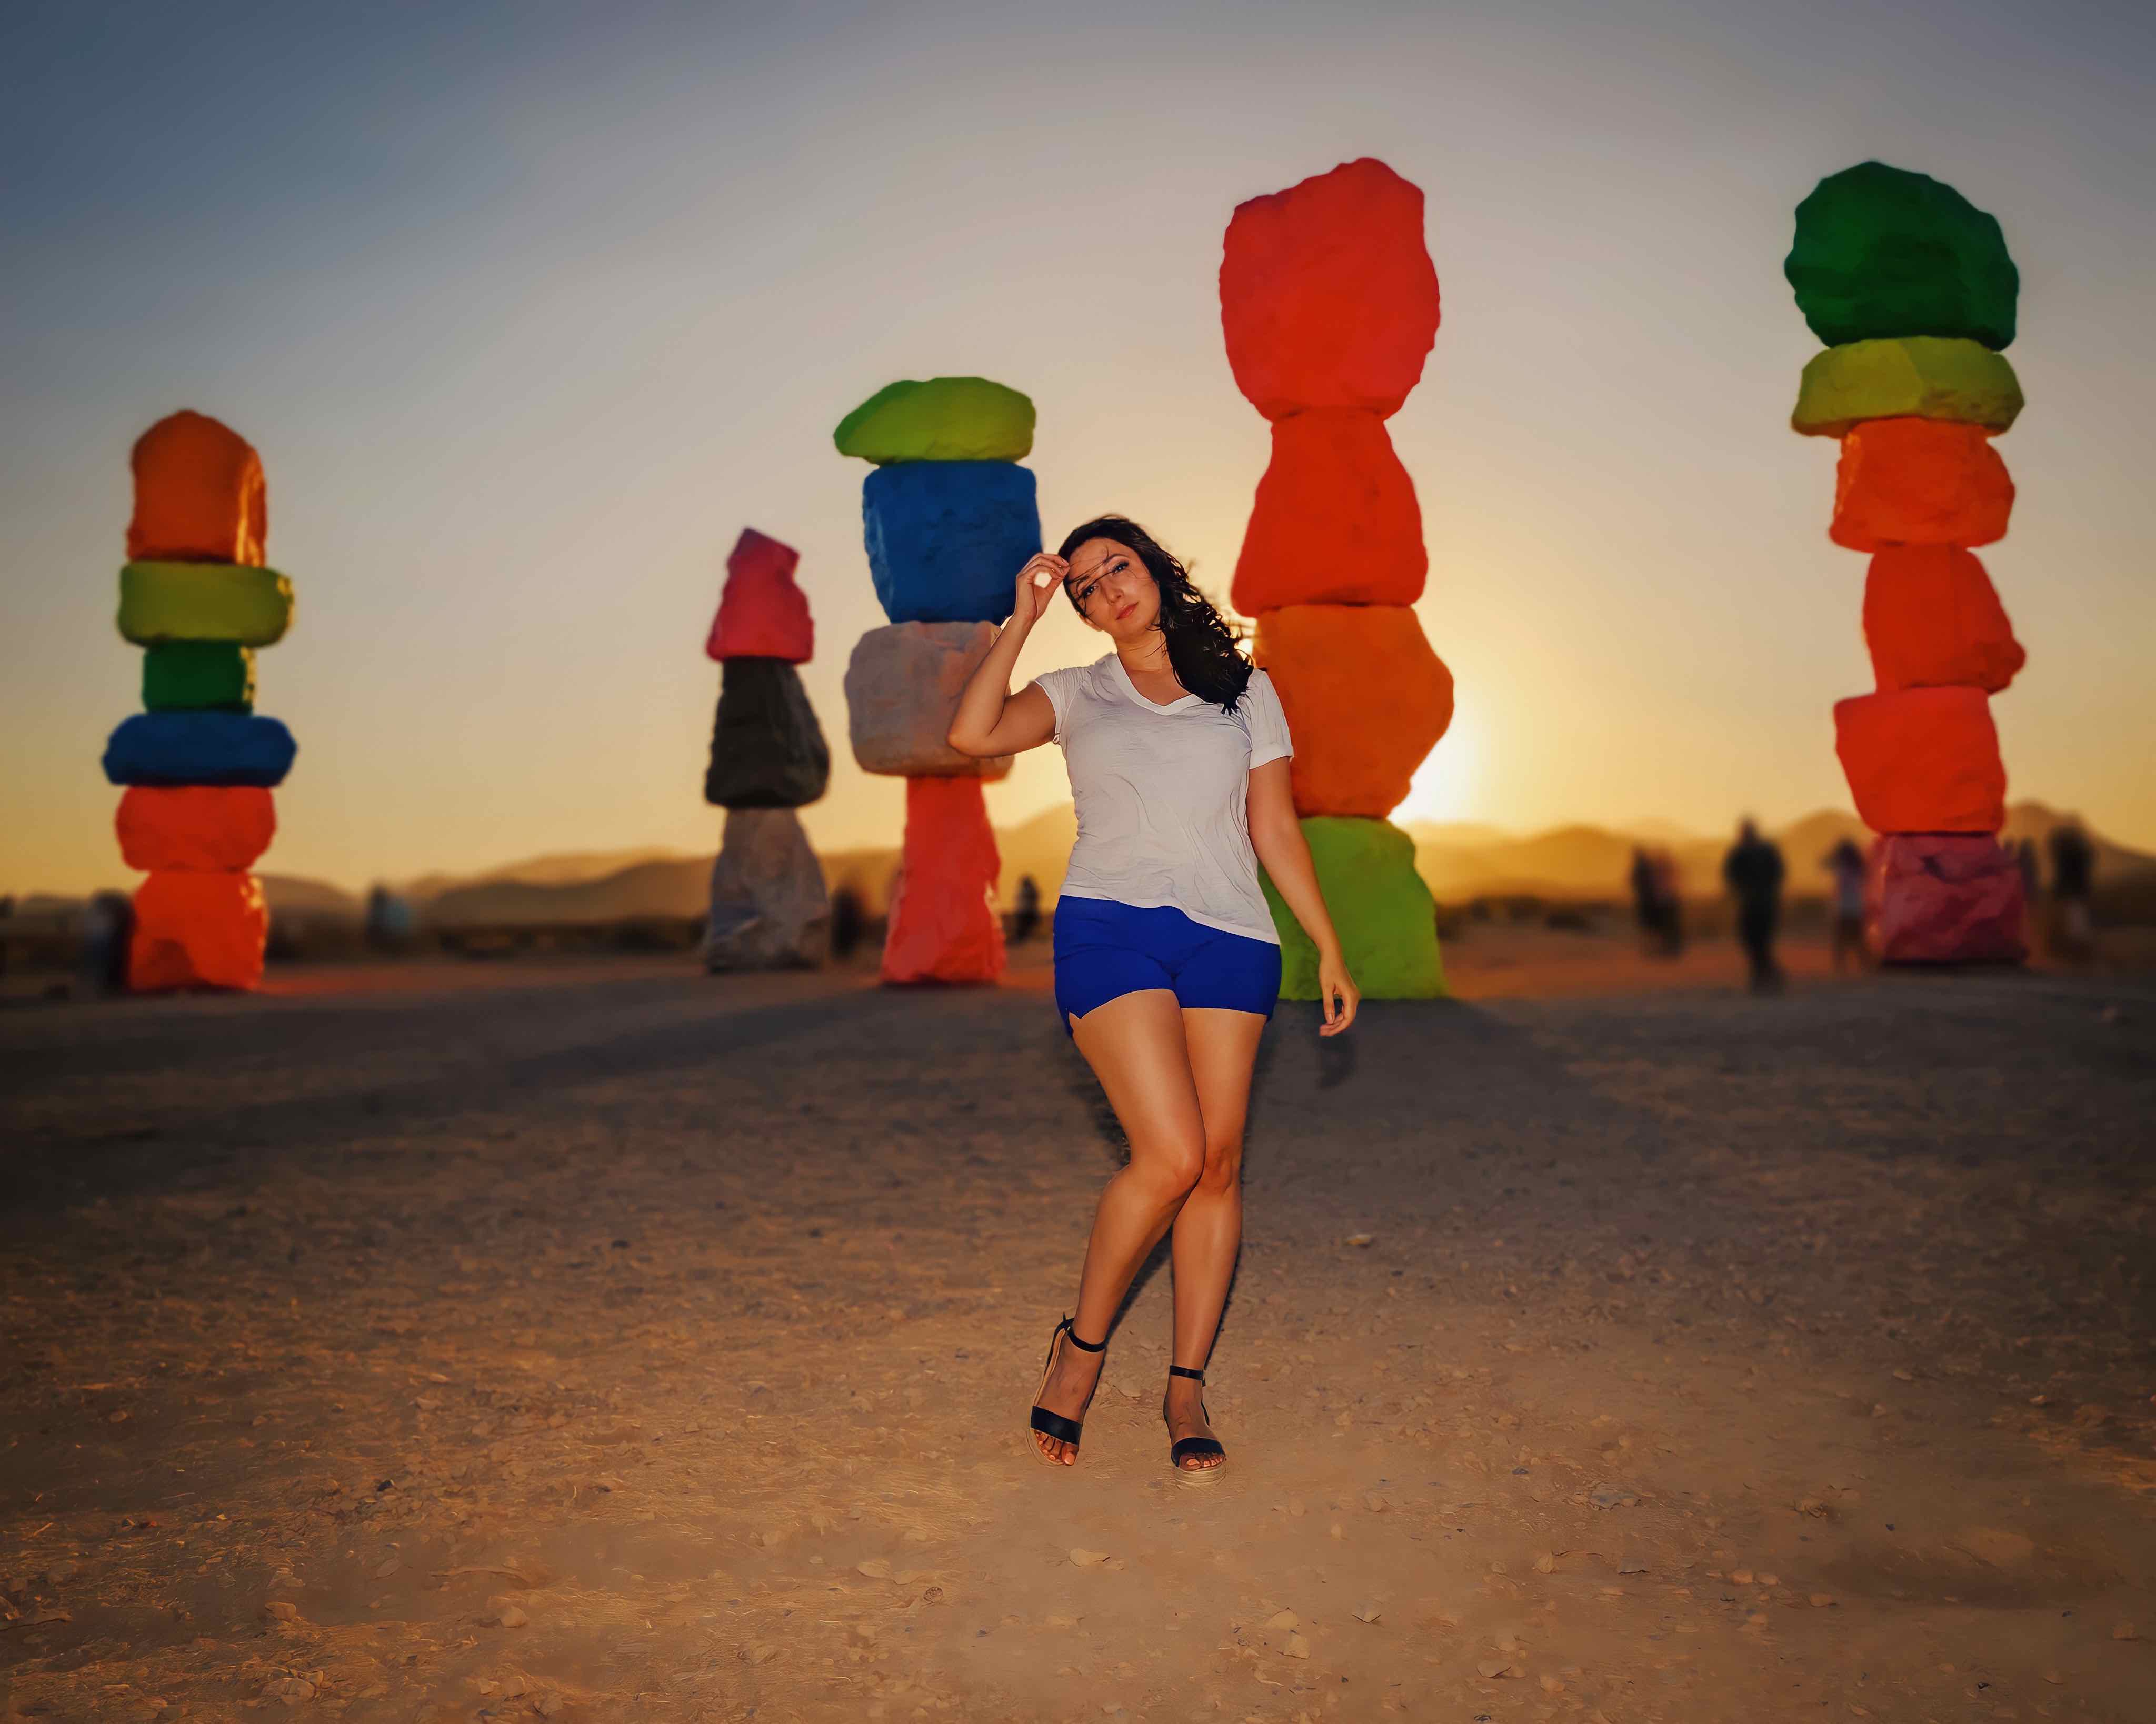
column 769, row 911
column 902, row 689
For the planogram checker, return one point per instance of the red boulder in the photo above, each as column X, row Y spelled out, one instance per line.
column 1932, row 620
column 943, row 927
column 199, row 494
column 1923, row 760
column 206, row 829
column 1911, row 481
column 762, row 613
column 1335, row 520
column 197, row 931
column 1936, row 898
column 1327, row 294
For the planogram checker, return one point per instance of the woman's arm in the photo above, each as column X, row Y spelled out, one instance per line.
column 990, row 719
column 1276, row 835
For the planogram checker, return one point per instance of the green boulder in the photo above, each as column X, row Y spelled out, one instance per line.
column 1382, row 910
column 943, row 419
column 1881, row 252
column 203, row 601
column 1917, row 377
column 197, row 676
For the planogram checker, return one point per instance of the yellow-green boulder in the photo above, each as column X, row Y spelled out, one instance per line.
column 1906, row 378
column 1380, row 908
column 240, row 602
column 943, row 420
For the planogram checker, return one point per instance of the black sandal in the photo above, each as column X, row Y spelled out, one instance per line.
column 1185, row 1446
column 1055, row 1425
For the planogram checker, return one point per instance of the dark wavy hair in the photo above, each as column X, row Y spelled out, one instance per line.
column 1201, row 643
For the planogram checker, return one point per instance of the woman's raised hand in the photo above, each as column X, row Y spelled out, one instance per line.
column 1037, row 582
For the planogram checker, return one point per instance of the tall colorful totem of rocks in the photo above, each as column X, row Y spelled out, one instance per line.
column 769, row 910
column 1329, row 306
column 949, row 518
column 1910, row 287
column 200, row 765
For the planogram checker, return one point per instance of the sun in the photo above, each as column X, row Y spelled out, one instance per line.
column 1448, row 783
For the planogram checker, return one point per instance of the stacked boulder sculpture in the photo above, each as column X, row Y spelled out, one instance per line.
column 949, row 517
column 1329, row 302
column 769, row 910
column 197, row 766
column 1912, row 288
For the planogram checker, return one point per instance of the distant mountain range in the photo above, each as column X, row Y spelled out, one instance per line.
column 1459, row 860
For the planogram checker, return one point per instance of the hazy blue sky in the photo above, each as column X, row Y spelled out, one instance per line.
column 531, row 308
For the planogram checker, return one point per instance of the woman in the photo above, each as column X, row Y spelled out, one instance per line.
column 1166, row 963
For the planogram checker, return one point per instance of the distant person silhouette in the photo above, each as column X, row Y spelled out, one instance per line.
column 846, row 920
column 1845, row 862
column 108, row 926
column 1646, row 898
column 1752, row 871
column 1669, row 900
column 2073, row 875
column 1025, row 915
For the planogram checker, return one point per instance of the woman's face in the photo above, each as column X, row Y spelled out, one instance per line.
column 1113, row 590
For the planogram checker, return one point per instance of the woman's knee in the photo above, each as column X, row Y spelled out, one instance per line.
column 1174, row 1167
column 1222, row 1166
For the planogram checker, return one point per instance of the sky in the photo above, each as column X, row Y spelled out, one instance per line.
column 531, row 308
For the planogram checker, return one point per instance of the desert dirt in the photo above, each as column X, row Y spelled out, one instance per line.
column 608, row 1341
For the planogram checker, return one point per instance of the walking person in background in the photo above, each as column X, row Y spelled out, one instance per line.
column 2073, row 875
column 1025, row 909
column 1752, row 871
column 1845, row 862
column 1166, row 961
column 1669, row 899
column 1646, row 903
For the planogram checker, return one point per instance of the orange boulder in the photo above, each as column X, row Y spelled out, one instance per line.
column 197, row 931
column 1923, row 760
column 206, row 828
column 1327, row 294
column 1366, row 699
column 1932, row 620
column 942, row 926
column 1919, row 482
column 1335, row 522
column 199, row 494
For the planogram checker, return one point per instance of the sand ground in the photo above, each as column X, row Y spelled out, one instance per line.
column 607, row 1341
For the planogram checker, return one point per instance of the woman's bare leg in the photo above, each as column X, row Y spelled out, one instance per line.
column 1135, row 1046
column 1209, row 1228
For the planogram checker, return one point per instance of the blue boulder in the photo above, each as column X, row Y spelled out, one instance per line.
column 947, row 539
column 199, row 748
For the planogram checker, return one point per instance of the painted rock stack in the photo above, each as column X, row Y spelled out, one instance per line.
column 199, row 764
column 769, row 910
column 1330, row 306
column 1910, row 287
column 950, row 517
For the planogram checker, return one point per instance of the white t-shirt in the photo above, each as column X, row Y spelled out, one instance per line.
column 1161, row 792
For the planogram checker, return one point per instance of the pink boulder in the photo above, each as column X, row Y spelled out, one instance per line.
column 1939, row 898
column 1327, row 294
column 943, row 927
column 762, row 613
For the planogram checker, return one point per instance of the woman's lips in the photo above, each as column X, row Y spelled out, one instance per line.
column 1127, row 610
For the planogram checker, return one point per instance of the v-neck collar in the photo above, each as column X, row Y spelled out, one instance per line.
column 1124, row 681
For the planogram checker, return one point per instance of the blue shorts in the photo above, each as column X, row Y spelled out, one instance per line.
column 1104, row 951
